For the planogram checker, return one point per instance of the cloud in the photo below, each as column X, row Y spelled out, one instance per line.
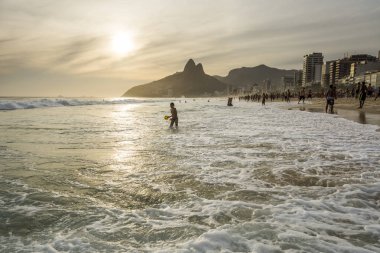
column 75, row 49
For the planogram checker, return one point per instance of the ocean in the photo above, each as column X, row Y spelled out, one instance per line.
column 107, row 175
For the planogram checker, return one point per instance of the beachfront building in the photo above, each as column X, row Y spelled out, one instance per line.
column 297, row 77
column 362, row 58
column 312, row 69
column 325, row 80
column 371, row 77
column 267, row 85
column 342, row 71
column 287, row 82
column 359, row 68
column 342, row 68
column 332, row 72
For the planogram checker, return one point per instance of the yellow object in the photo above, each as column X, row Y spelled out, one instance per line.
column 166, row 117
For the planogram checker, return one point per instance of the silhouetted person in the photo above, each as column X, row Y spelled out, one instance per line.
column 288, row 96
column 302, row 96
column 174, row 116
column 229, row 101
column 362, row 95
column 264, row 97
column 330, row 98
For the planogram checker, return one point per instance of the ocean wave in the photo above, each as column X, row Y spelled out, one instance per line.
column 59, row 102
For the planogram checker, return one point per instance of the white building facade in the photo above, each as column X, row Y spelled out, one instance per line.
column 312, row 69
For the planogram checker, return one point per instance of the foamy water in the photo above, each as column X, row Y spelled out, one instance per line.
column 108, row 176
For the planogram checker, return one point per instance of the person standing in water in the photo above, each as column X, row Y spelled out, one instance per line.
column 174, row 116
column 264, row 98
column 229, row 101
column 330, row 98
column 362, row 95
column 288, row 96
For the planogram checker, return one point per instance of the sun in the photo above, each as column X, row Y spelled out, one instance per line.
column 122, row 44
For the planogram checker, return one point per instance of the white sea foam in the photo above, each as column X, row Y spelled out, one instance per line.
column 27, row 103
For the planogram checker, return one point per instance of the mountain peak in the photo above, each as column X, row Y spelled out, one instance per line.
column 192, row 69
column 193, row 81
column 190, row 66
column 199, row 68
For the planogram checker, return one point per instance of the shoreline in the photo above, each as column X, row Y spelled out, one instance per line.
column 344, row 107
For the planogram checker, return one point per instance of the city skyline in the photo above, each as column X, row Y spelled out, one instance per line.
column 93, row 48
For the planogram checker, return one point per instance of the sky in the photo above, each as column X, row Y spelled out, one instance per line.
column 102, row 48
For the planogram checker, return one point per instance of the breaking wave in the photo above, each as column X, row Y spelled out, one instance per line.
column 27, row 103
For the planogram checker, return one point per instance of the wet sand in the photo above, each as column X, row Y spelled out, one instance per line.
column 346, row 108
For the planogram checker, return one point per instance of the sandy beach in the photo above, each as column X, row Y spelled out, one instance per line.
column 346, row 108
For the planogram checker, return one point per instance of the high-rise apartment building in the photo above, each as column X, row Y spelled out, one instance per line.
column 298, row 77
column 312, row 69
column 362, row 57
column 343, row 68
column 332, row 73
column 325, row 81
column 346, row 67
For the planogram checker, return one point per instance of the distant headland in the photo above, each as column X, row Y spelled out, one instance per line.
column 191, row 82
column 194, row 82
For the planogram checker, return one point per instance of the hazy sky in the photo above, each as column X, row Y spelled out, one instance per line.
column 101, row 48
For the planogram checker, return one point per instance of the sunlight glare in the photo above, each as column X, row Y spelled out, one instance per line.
column 122, row 44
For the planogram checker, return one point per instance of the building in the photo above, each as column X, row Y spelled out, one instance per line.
column 343, row 70
column 287, row 82
column 362, row 57
column 332, row 72
column 317, row 74
column 325, row 80
column 312, row 69
column 359, row 68
column 298, row 77
column 267, row 85
column 372, row 78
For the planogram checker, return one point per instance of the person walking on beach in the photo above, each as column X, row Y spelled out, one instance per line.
column 362, row 95
column 330, row 98
column 309, row 95
column 302, row 96
column 288, row 96
column 174, row 116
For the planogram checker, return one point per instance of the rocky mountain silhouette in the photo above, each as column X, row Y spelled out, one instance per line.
column 192, row 82
column 251, row 75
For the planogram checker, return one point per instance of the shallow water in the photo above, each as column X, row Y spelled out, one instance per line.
column 359, row 116
column 111, row 177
